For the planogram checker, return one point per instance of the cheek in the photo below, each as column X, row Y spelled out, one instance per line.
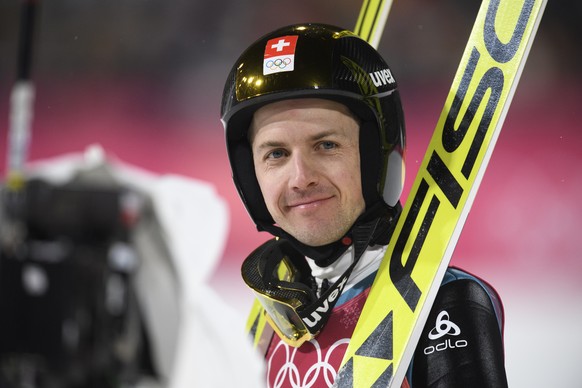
column 351, row 169
column 352, row 179
column 268, row 186
column 355, row 185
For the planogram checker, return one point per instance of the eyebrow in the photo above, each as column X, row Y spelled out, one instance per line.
column 315, row 137
column 323, row 134
column 269, row 144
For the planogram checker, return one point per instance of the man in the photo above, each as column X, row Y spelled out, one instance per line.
column 315, row 137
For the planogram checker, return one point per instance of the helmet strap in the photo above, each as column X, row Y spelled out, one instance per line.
column 326, row 255
column 375, row 226
column 317, row 314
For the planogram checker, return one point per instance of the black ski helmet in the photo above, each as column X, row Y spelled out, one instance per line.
column 316, row 61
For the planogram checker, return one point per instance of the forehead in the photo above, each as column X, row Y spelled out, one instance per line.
column 312, row 110
column 302, row 103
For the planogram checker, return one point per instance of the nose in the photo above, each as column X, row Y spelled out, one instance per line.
column 304, row 172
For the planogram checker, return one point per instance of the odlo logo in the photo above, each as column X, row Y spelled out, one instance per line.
column 444, row 327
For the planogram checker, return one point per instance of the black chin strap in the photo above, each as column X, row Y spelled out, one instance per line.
column 326, row 255
column 316, row 314
column 374, row 227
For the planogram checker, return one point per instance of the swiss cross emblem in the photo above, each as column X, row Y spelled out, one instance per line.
column 280, row 54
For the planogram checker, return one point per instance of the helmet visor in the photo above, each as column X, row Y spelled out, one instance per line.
column 278, row 287
column 285, row 320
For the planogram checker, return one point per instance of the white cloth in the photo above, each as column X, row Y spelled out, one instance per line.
column 368, row 264
column 197, row 340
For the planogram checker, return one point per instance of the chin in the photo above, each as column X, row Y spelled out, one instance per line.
column 316, row 234
column 318, row 241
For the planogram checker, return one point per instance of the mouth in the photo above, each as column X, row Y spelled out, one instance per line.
column 307, row 204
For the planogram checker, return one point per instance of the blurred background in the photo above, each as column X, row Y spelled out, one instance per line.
column 144, row 78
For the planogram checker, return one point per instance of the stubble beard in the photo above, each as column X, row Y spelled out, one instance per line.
column 317, row 232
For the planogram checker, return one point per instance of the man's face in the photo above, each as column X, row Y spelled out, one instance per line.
column 307, row 162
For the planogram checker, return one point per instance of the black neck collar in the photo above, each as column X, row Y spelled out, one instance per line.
column 373, row 227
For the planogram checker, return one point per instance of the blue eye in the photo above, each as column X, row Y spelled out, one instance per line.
column 276, row 154
column 328, row 145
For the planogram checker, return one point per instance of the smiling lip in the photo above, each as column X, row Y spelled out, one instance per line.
column 307, row 203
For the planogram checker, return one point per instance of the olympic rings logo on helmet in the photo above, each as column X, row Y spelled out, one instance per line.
column 280, row 63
